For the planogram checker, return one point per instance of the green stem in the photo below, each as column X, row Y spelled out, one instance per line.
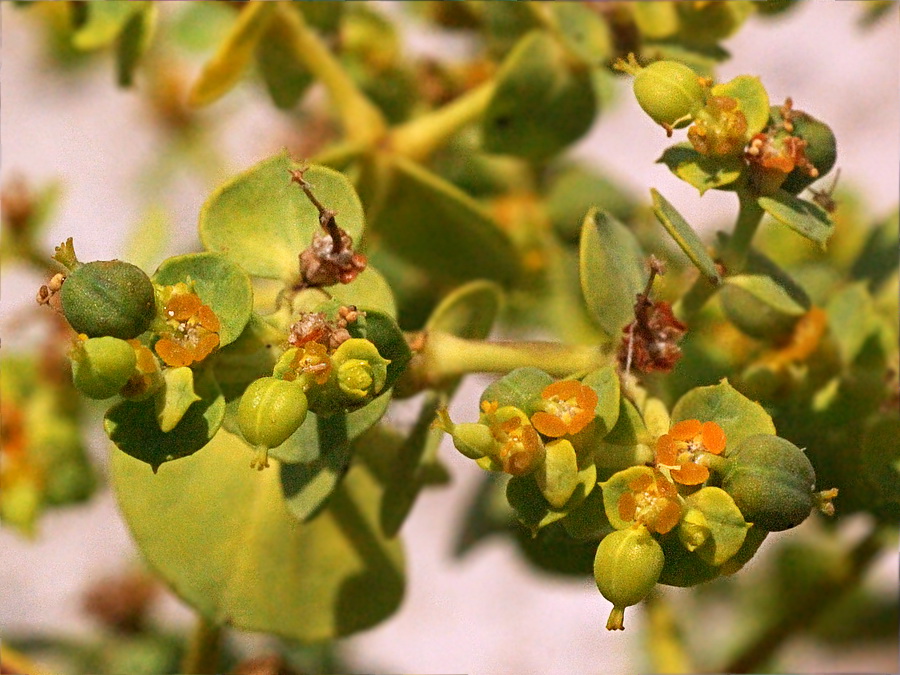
column 733, row 255
column 665, row 642
column 446, row 356
column 420, row 137
column 362, row 121
column 802, row 613
column 202, row 655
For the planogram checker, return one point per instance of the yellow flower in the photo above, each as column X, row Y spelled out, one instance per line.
column 568, row 407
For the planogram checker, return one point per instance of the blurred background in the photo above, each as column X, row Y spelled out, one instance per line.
column 122, row 157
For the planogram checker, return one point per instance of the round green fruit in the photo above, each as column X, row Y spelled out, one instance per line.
column 102, row 366
column 820, row 150
column 668, row 91
column 108, row 298
column 270, row 411
column 626, row 568
column 772, row 482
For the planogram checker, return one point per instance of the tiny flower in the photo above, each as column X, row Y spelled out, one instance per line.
column 312, row 359
column 192, row 329
column 682, row 448
column 519, row 450
column 652, row 501
column 568, row 407
column 719, row 128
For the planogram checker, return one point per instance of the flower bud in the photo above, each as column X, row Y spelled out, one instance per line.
column 626, row 568
column 668, row 91
column 361, row 371
column 102, row 366
column 269, row 412
column 771, row 480
column 108, row 297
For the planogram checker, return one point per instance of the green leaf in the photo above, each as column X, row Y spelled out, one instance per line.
column 286, row 78
column 468, row 311
column 738, row 416
column 533, row 511
column 370, row 290
column 133, row 43
column 575, row 190
column 219, row 535
column 760, row 306
column 804, row 217
column 542, row 103
column 105, row 21
column 605, row 382
column 262, row 222
column 308, row 486
column 752, row 100
column 627, row 444
column 704, row 172
column 584, row 32
column 174, row 397
column 713, row 510
column 684, row 235
column 612, row 271
column 433, row 225
column 851, row 318
column 219, row 283
column 520, row 388
column 234, row 54
column 383, row 331
column 133, row 426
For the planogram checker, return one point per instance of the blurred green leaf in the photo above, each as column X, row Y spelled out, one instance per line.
column 685, row 236
column 536, row 83
column 262, row 222
column 286, row 78
column 248, row 562
column 805, row 218
column 760, row 306
column 233, row 55
column 605, row 382
column 704, row 172
column 612, row 271
column 574, row 190
column 583, row 31
column 721, row 403
column 134, row 42
column 850, row 320
column 219, row 283
column 105, row 21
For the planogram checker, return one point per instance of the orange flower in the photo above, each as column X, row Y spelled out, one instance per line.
column 521, row 449
column 653, row 502
column 684, row 445
column 193, row 333
column 568, row 407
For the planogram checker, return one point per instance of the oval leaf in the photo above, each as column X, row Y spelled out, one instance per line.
column 804, row 217
column 726, row 525
column 262, row 221
column 704, row 172
column 612, row 271
column 605, row 382
column 521, row 388
column 229, row 548
column 105, row 21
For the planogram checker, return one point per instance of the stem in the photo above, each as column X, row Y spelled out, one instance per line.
column 665, row 642
column 420, row 137
column 734, row 255
column 802, row 613
column 202, row 655
column 446, row 356
column 362, row 121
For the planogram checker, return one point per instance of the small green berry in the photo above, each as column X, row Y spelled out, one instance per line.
column 269, row 412
column 771, row 481
column 669, row 91
column 102, row 366
column 626, row 568
column 820, row 150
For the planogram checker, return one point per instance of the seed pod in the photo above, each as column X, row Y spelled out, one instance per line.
column 108, row 298
column 102, row 366
column 668, row 91
column 820, row 150
column 626, row 568
column 270, row 411
column 771, row 480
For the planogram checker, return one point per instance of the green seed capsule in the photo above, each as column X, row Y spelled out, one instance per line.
column 821, row 151
column 270, row 411
column 771, row 480
column 102, row 366
column 109, row 297
column 626, row 568
column 668, row 91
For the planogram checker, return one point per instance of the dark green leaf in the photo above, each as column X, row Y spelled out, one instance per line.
column 286, row 78
column 133, row 42
column 105, row 21
column 542, row 103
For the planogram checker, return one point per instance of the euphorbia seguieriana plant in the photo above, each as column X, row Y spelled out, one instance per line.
column 702, row 395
